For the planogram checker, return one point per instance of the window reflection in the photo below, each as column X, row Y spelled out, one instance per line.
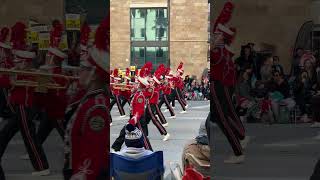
column 149, row 36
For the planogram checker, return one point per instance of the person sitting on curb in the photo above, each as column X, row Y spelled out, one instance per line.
column 134, row 146
column 197, row 152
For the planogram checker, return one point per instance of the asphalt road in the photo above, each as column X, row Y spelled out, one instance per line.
column 182, row 129
column 277, row 152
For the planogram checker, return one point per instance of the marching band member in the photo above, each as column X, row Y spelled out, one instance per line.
column 151, row 96
column 222, row 85
column 158, row 87
column 87, row 134
column 5, row 62
column 126, row 93
column 165, row 98
column 22, row 100
column 116, row 93
column 137, row 111
column 55, row 110
column 179, row 85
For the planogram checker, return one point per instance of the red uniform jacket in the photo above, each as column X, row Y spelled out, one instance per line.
column 154, row 99
column 126, row 93
column 222, row 68
column 87, row 136
column 178, row 81
column 54, row 102
column 22, row 95
column 167, row 89
column 137, row 106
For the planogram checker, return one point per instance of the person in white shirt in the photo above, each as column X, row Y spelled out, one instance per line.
column 134, row 146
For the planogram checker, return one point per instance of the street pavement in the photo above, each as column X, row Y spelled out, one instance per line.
column 182, row 129
column 276, row 152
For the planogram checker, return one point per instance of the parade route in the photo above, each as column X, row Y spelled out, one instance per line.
column 277, row 152
column 181, row 129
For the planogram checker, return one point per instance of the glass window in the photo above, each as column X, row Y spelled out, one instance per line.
column 138, row 56
column 149, row 36
column 151, row 25
column 138, row 24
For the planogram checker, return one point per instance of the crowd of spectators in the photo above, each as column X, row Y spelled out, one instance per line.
column 265, row 93
column 195, row 89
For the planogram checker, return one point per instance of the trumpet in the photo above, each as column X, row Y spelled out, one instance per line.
column 36, row 74
column 42, row 83
column 122, row 87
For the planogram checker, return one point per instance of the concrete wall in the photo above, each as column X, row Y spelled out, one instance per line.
column 188, row 33
column 271, row 22
column 44, row 11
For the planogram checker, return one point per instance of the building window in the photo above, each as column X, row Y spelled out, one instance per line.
column 149, row 34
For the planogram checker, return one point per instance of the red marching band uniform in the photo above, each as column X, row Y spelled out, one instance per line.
column 22, row 99
column 87, row 134
column 223, row 79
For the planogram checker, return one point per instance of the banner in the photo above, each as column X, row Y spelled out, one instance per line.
column 64, row 42
column 132, row 68
column 44, row 40
column 73, row 22
column 34, row 30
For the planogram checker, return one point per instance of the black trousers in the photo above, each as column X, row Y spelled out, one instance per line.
column 3, row 102
column 151, row 110
column 142, row 125
column 316, row 172
column 124, row 101
column 116, row 100
column 47, row 125
column 165, row 100
column 225, row 116
column 6, row 110
column 160, row 114
column 23, row 121
column 173, row 98
column 180, row 98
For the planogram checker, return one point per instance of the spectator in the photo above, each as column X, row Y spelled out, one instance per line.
column 280, row 94
column 245, row 59
column 200, row 150
column 134, row 146
column 303, row 93
column 276, row 66
column 266, row 69
column 309, row 68
column 295, row 62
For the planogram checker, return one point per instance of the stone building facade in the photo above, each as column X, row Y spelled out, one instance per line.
column 274, row 23
column 43, row 11
column 188, row 32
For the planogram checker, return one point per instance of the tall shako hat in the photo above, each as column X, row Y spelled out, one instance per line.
column 143, row 76
column 99, row 54
column 158, row 74
column 115, row 74
column 55, row 39
column 127, row 76
column 180, row 68
column 19, row 45
column 4, row 33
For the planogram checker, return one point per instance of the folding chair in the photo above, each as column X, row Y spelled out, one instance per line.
column 146, row 168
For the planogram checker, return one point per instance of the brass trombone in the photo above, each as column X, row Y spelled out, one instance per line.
column 42, row 83
column 122, row 87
